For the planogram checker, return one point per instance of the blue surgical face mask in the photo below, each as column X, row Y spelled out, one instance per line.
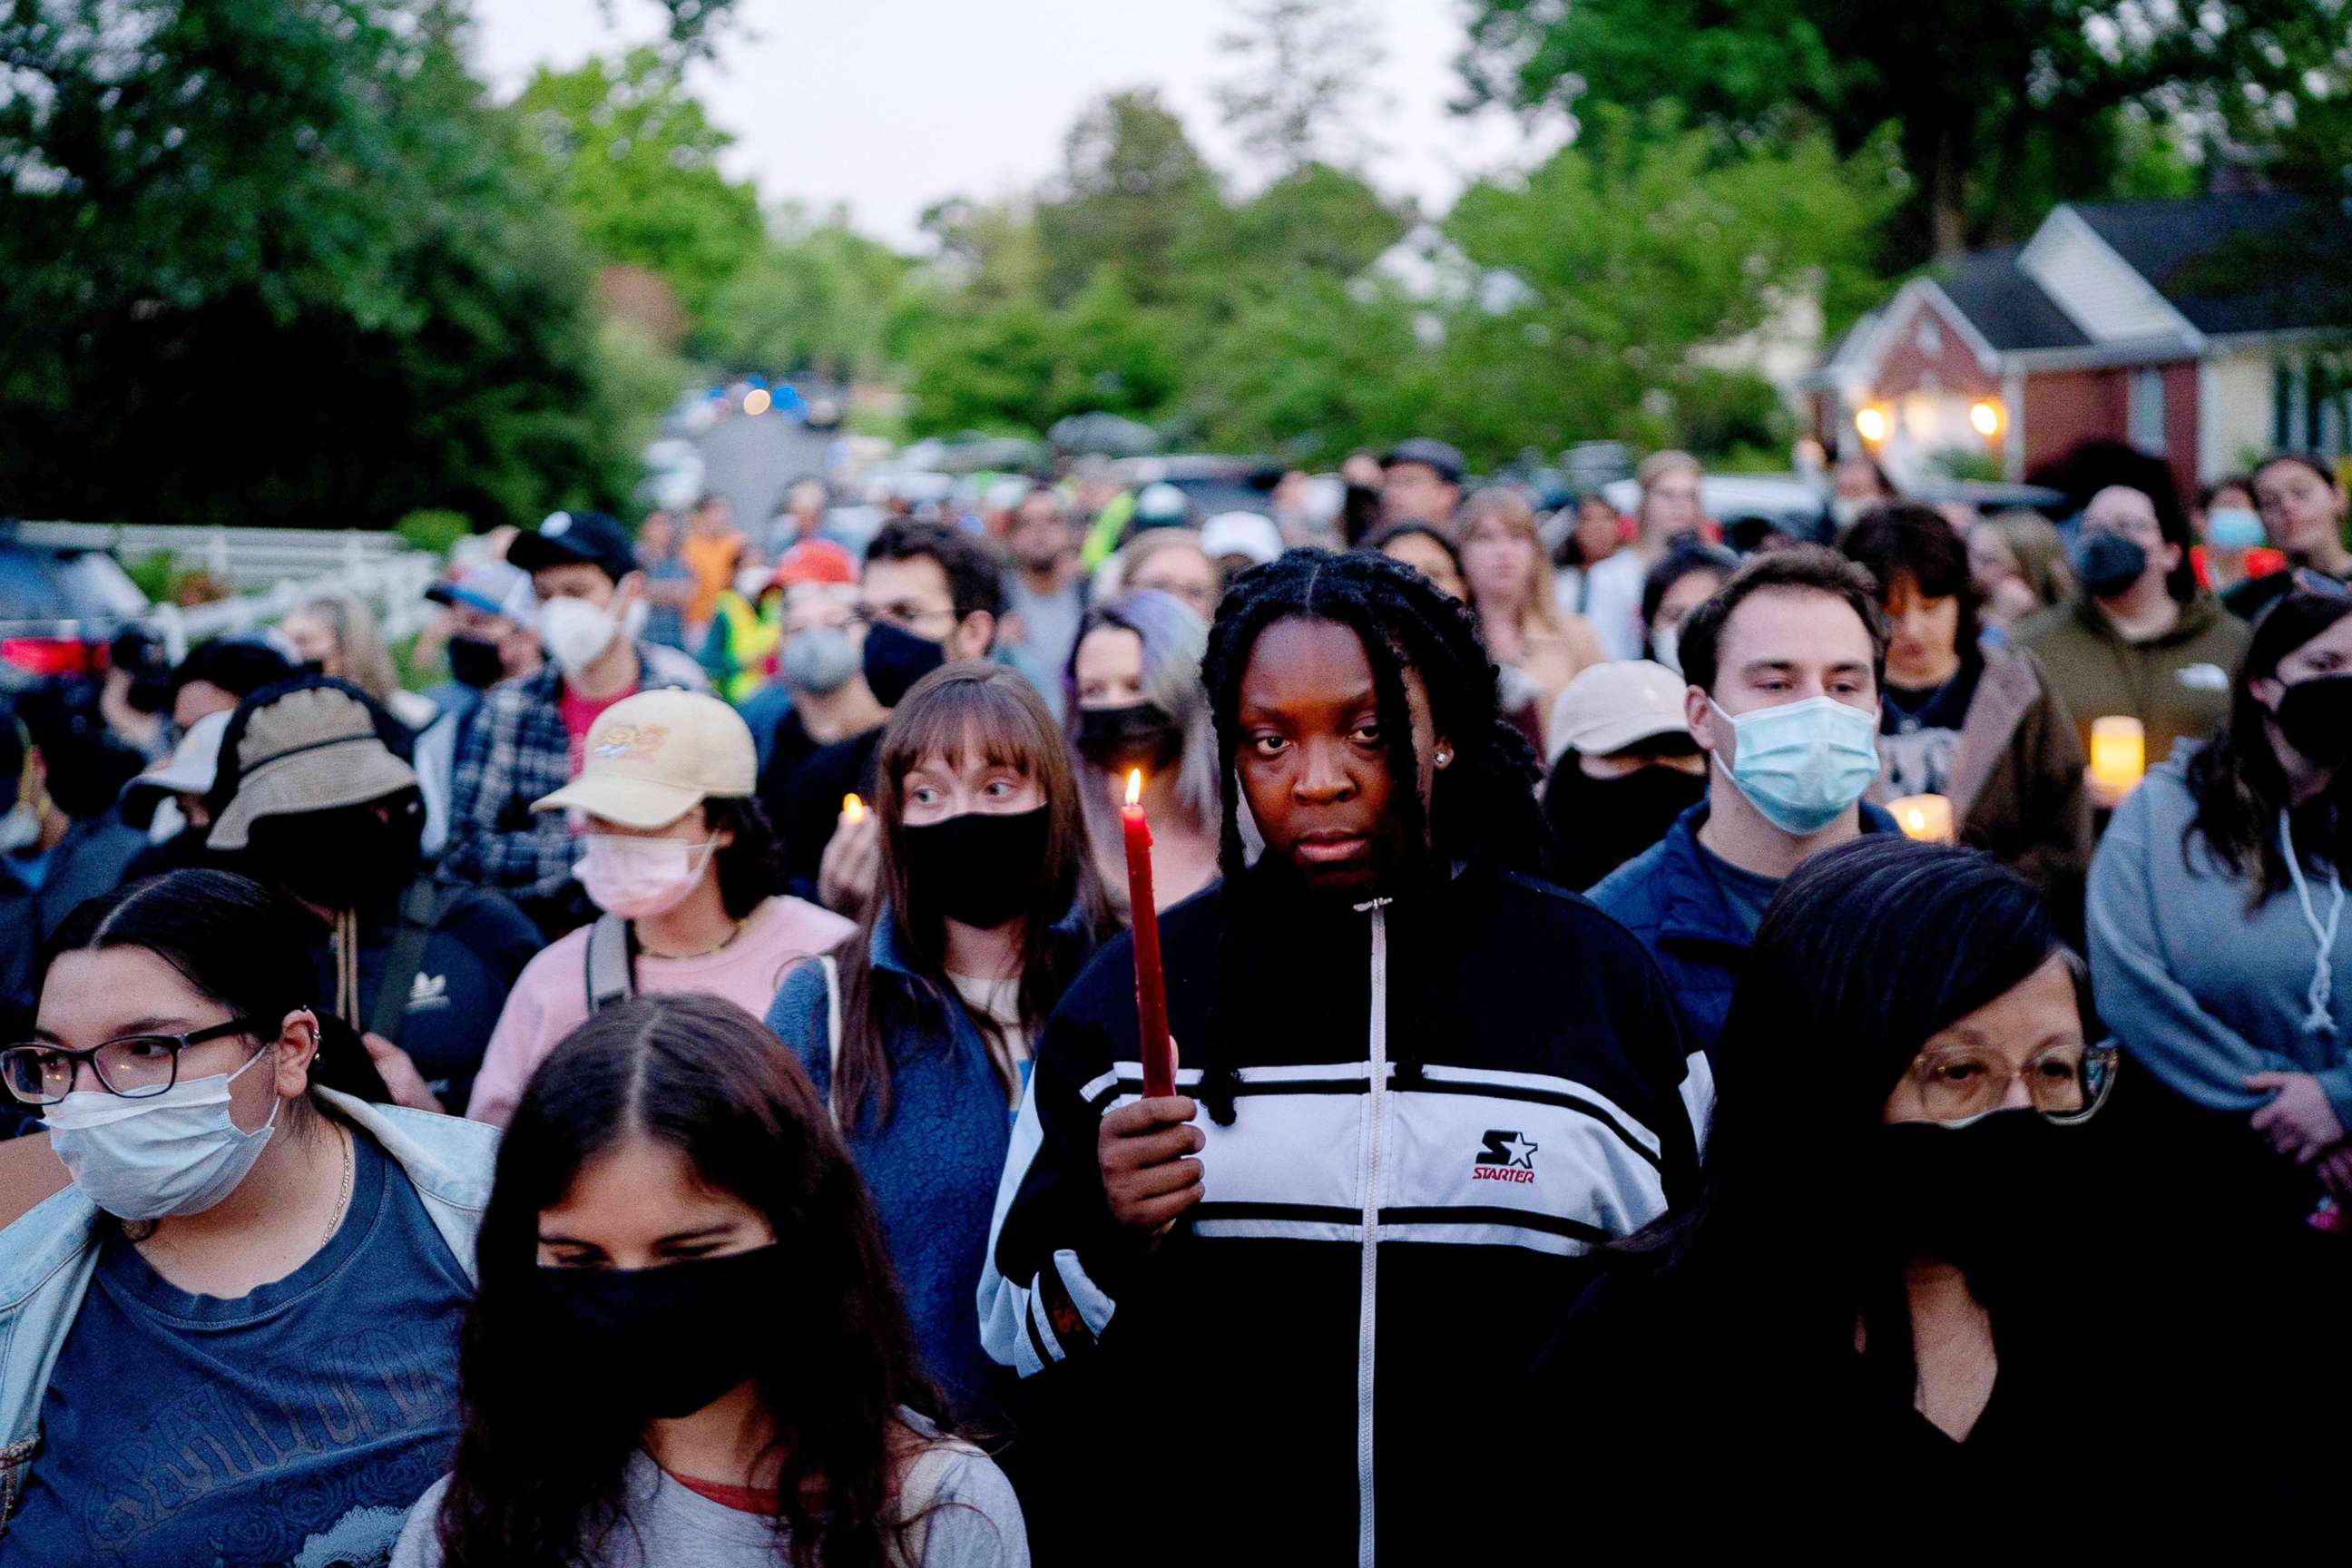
column 2234, row 528
column 171, row 1153
column 1802, row 764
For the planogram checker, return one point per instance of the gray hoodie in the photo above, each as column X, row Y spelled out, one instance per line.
column 2196, row 988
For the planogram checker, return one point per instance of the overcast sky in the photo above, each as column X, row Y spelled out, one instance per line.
column 888, row 105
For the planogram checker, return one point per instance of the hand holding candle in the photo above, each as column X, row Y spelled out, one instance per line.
column 1150, row 999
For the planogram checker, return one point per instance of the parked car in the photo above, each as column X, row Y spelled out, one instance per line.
column 59, row 609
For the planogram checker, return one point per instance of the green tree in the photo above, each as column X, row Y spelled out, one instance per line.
column 1998, row 110
column 1600, row 273
column 635, row 162
column 1303, row 71
column 818, row 297
column 1314, row 370
column 1133, row 194
column 280, row 264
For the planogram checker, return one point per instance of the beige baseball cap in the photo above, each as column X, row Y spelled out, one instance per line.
column 1608, row 707
column 652, row 758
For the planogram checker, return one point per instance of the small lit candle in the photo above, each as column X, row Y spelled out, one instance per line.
column 853, row 810
column 1927, row 818
column 2118, row 753
column 1150, row 998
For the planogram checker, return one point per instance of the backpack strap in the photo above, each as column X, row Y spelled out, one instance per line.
column 420, row 911
column 832, row 1036
column 612, row 975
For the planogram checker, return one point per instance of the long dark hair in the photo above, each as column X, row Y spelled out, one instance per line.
column 1868, row 950
column 2236, row 779
column 1481, row 808
column 541, row 1462
column 992, row 710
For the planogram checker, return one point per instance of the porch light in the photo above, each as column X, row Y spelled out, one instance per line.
column 1871, row 424
column 1986, row 415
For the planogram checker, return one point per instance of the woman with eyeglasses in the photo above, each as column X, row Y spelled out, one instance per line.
column 1890, row 1311
column 2217, row 930
column 232, row 1338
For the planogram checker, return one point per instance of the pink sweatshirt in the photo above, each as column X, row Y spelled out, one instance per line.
column 549, row 999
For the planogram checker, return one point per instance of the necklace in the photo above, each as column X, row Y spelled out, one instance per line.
column 718, row 946
column 350, row 1161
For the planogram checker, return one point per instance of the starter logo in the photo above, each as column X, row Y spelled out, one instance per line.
column 1508, row 1157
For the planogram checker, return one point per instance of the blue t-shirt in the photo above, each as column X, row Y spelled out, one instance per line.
column 293, row 1426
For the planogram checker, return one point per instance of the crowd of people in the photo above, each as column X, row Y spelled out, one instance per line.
column 1678, row 1030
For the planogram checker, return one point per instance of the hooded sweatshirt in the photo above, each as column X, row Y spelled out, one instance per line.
column 2206, row 992
column 1441, row 1104
column 2177, row 684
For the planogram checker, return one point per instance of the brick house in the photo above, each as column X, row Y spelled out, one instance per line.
column 2199, row 331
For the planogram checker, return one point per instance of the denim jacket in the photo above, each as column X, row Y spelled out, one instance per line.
column 47, row 1256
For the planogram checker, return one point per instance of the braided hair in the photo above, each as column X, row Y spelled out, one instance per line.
column 1483, row 805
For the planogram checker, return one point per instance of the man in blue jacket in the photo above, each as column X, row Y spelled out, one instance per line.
column 1784, row 665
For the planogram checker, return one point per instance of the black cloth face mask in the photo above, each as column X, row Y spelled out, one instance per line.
column 2315, row 716
column 1598, row 824
column 475, row 662
column 897, row 659
column 979, row 868
column 1133, row 735
column 1985, row 1198
column 2108, row 564
column 663, row 1342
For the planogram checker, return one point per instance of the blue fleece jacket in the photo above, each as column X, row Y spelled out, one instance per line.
column 2207, row 991
column 1669, row 898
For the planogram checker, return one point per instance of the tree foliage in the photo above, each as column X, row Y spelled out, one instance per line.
column 278, row 263
column 635, row 163
column 1998, row 110
column 1302, row 70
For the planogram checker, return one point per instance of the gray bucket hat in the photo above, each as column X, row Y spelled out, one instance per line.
column 311, row 750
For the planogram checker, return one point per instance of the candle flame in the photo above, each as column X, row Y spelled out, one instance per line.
column 1134, row 786
column 1915, row 819
column 853, row 808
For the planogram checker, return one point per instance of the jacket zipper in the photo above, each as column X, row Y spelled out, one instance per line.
column 1367, row 1337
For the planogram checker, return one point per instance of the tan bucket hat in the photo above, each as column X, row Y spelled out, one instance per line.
column 311, row 750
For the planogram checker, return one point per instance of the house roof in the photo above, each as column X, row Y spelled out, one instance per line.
column 2257, row 262
column 2004, row 305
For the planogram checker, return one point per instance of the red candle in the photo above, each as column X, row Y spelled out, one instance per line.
column 1150, row 999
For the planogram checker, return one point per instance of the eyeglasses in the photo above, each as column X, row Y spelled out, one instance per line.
column 2066, row 1083
column 133, row 1066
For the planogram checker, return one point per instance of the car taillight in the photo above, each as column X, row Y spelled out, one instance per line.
column 46, row 656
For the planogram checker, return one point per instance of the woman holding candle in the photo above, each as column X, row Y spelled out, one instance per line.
column 1983, row 730
column 2217, row 941
column 1416, row 1084
column 918, row 1030
column 1137, row 703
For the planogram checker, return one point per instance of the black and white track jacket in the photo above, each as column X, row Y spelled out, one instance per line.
column 1443, row 1103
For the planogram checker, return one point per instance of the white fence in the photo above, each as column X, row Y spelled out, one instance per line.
column 273, row 569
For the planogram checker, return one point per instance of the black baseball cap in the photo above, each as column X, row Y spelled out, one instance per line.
column 576, row 538
column 1435, row 455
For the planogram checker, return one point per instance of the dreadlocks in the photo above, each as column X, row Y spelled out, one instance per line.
column 1483, row 806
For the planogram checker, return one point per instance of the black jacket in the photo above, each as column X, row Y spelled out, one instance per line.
column 1513, row 1103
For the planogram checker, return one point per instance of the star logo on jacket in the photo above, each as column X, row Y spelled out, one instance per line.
column 430, row 992
column 1508, row 1157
